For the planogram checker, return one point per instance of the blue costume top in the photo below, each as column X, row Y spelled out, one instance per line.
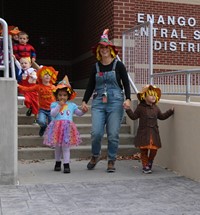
column 62, row 130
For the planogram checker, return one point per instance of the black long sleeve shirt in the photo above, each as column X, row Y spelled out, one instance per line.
column 121, row 76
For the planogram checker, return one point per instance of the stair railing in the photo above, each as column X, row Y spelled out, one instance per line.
column 7, row 52
column 12, row 63
column 5, row 66
column 130, row 80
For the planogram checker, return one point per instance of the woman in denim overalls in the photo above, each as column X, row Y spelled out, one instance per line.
column 107, row 83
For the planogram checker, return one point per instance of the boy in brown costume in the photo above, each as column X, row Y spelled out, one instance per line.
column 148, row 138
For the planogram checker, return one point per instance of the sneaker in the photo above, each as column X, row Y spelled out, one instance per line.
column 35, row 122
column 29, row 112
column 150, row 165
column 146, row 170
column 42, row 130
column 93, row 162
column 111, row 166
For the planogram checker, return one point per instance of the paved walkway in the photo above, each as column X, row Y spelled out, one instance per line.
column 41, row 191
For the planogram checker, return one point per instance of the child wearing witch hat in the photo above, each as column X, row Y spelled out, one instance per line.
column 62, row 132
column 148, row 138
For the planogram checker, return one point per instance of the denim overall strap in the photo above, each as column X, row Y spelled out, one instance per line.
column 106, row 80
column 97, row 67
column 114, row 64
column 113, row 68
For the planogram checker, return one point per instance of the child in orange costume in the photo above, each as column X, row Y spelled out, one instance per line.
column 46, row 78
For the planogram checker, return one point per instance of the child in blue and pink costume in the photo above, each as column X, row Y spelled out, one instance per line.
column 62, row 132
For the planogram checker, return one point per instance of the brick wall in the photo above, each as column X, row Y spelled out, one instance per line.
column 125, row 17
column 63, row 35
column 94, row 17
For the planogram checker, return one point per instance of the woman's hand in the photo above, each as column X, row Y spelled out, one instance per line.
column 84, row 107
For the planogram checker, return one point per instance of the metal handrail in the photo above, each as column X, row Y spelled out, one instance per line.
column 182, row 82
column 7, row 52
column 12, row 63
column 5, row 66
column 133, row 53
column 130, row 80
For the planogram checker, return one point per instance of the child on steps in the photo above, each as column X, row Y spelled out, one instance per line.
column 27, row 76
column 46, row 78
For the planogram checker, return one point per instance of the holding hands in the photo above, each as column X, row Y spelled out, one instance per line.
column 84, row 107
column 127, row 104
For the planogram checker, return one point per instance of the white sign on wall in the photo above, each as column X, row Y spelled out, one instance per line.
column 175, row 39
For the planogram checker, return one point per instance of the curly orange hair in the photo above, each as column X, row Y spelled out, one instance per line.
column 47, row 70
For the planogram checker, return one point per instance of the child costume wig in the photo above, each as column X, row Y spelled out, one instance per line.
column 47, row 70
column 151, row 91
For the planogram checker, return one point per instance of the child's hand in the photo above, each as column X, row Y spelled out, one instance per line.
column 126, row 104
column 84, row 107
column 61, row 102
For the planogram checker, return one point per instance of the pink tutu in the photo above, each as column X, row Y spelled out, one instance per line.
column 62, row 132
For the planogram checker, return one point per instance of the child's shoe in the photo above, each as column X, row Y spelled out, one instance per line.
column 57, row 166
column 35, row 122
column 29, row 112
column 66, row 168
column 146, row 170
column 150, row 164
column 42, row 130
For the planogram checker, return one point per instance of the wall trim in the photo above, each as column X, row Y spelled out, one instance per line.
column 193, row 2
column 173, row 67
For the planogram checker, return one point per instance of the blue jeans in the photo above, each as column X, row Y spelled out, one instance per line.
column 44, row 117
column 107, row 115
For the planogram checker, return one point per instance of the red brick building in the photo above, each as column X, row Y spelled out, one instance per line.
column 63, row 32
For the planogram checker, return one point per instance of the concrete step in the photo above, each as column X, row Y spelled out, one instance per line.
column 28, row 120
column 85, row 119
column 77, row 100
column 80, row 92
column 23, row 109
column 30, row 144
column 40, row 153
column 37, row 141
column 27, row 130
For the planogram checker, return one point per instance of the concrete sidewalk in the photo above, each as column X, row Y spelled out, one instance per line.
column 128, row 191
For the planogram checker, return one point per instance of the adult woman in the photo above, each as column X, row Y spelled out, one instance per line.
column 106, row 83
